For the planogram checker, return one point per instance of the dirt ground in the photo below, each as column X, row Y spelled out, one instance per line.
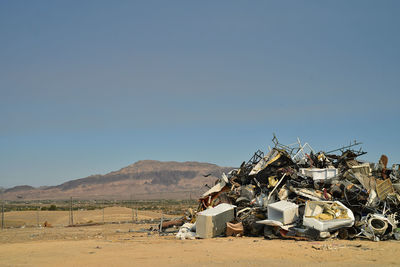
column 126, row 245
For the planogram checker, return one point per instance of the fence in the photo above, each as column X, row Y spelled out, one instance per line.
column 75, row 212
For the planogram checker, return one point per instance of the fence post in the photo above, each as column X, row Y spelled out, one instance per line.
column 71, row 214
column 161, row 222
column 103, row 211
column 2, row 215
column 37, row 216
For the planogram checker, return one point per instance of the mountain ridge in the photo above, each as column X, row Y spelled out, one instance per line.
column 143, row 179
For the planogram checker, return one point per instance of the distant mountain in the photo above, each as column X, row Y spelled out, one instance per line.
column 146, row 179
column 19, row 188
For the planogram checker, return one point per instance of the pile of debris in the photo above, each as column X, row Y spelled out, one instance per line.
column 294, row 192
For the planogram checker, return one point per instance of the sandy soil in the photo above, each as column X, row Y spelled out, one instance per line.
column 125, row 245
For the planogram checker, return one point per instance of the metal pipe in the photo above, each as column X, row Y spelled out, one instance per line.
column 276, row 186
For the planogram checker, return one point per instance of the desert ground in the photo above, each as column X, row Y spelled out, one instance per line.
column 127, row 244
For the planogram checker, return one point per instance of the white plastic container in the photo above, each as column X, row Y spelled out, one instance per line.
column 314, row 208
column 319, row 174
column 283, row 211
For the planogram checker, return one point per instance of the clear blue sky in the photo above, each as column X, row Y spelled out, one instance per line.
column 88, row 87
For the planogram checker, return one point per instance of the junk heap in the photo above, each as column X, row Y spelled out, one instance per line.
column 293, row 192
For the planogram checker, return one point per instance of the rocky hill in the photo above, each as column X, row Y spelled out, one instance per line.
column 147, row 179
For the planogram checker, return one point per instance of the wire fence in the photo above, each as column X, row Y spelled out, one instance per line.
column 77, row 212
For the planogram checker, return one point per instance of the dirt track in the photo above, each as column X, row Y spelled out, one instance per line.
column 118, row 245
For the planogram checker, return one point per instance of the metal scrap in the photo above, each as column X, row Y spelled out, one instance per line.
column 335, row 195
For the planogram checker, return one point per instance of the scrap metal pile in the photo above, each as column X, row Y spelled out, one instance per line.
column 294, row 192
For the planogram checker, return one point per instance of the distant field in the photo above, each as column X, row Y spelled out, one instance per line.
column 32, row 214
